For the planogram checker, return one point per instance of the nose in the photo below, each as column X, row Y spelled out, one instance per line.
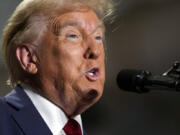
column 92, row 50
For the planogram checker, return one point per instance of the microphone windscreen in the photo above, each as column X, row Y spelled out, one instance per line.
column 126, row 79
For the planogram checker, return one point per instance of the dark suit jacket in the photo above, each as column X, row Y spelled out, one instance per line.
column 18, row 115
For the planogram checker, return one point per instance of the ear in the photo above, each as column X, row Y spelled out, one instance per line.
column 25, row 54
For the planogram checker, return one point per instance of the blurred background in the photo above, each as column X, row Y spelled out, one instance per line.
column 145, row 35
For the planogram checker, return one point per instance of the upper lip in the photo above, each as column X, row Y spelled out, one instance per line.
column 93, row 73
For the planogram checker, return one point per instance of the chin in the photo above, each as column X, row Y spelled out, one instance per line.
column 90, row 98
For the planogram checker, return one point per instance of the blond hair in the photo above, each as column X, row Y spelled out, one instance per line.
column 31, row 18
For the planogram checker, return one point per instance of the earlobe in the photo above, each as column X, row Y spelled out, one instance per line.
column 27, row 58
column 31, row 68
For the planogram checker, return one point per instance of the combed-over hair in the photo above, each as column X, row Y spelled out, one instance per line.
column 30, row 20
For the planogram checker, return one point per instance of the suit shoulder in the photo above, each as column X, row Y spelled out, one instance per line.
column 3, row 107
column 7, row 124
column 4, row 113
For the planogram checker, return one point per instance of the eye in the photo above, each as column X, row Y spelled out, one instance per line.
column 98, row 37
column 73, row 36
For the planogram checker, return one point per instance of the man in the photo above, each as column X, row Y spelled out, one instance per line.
column 54, row 52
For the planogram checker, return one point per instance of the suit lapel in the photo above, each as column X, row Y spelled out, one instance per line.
column 25, row 114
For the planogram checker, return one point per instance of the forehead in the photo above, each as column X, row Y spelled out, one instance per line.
column 86, row 19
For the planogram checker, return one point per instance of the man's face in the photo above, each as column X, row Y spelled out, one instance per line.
column 72, row 70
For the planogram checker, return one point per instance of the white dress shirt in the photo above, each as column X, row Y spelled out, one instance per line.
column 53, row 116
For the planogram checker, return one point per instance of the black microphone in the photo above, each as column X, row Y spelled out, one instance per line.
column 142, row 81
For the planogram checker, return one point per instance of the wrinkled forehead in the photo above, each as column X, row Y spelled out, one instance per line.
column 82, row 17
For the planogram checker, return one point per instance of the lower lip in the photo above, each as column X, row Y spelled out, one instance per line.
column 92, row 77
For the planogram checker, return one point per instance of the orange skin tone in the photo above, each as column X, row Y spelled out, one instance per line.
column 65, row 58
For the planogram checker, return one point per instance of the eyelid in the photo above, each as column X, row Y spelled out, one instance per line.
column 70, row 30
column 73, row 35
column 99, row 37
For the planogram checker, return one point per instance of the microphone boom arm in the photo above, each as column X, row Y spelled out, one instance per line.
column 142, row 81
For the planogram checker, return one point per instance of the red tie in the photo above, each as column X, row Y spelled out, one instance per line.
column 72, row 127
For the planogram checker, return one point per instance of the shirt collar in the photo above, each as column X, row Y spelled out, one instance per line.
column 53, row 116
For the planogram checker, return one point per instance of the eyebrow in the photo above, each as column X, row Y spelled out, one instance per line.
column 57, row 26
column 78, row 23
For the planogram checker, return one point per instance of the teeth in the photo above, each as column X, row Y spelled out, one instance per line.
column 90, row 73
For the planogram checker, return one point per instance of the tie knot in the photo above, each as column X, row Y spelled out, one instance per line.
column 72, row 127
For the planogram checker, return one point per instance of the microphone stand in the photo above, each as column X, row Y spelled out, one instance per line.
column 174, row 73
column 170, row 80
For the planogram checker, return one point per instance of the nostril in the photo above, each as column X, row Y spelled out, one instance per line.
column 91, row 56
column 91, row 53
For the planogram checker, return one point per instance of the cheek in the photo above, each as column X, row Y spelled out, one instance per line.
column 102, row 66
column 69, row 62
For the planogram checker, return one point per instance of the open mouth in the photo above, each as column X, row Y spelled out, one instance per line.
column 93, row 74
